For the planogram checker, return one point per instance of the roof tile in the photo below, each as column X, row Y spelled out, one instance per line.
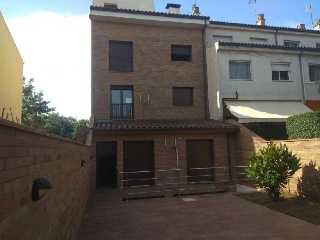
column 254, row 45
column 162, row 125
column 162, row 14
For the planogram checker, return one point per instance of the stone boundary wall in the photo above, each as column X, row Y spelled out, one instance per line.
column 306, row 182
column 27, row 154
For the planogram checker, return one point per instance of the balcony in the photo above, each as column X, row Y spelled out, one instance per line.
column 122, row 111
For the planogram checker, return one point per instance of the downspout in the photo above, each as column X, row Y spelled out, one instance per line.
column 223, row 103
column 302, row 79
column 276, row 37
column 204, row 44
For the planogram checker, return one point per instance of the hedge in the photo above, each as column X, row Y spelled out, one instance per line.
column 304, row 126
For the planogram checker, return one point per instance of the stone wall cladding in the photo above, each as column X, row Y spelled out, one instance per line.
column 25, row 155
column 154, row 72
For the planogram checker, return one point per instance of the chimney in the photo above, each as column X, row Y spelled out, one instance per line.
column 260, row 20
column 173, row 8
column 301, row 26
column 195, row 10
column 316, row 25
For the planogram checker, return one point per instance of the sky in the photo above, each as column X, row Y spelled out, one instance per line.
column 53, row 38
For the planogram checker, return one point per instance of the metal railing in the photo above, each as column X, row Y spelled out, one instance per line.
column 139, row 184
column 121, row 111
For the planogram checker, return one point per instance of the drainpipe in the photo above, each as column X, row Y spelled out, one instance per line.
column 204, row 44
column 223, row 103
column 276, row 37
column 302, row 78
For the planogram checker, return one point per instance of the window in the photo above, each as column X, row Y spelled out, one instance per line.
column 217, row 38
column 258, row 40
column 239, row 70
column 291, row 43
column 317, row 45
column 120, row 56
column 121, row 102
column 280, row 71
column 182, row 96
column 314, row 73
column 181, row 53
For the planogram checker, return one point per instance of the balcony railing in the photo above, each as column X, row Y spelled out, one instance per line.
column 122, row 111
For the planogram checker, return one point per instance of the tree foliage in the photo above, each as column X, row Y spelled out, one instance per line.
column 304, row 126
column 80, row 123
column 272, row 167
column 60, row 125
column 34, row 107
column 36, row 113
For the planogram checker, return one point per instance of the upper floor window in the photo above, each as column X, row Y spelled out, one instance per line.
column 218, row 38
column 317, row 45
column 314, row 73
column 121, row 106
column 291, row 43
column 120, row 56
column 258, row 40
column 181, row 53
column 239, row 70
column 182, row 96
column 280, row 71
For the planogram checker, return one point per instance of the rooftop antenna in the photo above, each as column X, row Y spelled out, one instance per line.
column 254, row 8
column 309, row 10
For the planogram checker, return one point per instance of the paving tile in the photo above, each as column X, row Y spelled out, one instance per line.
column 211, row 216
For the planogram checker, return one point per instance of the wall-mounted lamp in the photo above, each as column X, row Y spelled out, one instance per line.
column 40, row 187
column 83, row 162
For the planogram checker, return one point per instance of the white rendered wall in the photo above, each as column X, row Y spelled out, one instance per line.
column 243, row 35
column 142, row 5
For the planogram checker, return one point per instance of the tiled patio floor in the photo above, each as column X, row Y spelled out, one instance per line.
column 211, row 216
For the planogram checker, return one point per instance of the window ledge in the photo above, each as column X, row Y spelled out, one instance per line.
column 242, row 80
column 282, row 81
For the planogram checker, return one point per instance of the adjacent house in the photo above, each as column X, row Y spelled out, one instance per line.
column 11, row 76
column 149, row 95
column 258, row 73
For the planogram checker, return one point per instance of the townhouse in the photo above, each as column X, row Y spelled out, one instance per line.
column 149, row 95
column 258, row 73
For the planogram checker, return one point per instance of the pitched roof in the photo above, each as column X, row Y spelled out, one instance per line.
column 253, row 45
column 264, row 27
column 162, row 125
column 161, row 14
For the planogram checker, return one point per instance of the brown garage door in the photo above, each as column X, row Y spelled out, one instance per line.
column 200, row 155
column 138, row 156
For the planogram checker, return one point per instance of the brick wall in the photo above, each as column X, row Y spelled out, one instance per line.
column 165, row 156
column 154, row 73
column 306, row 181
column 26, row 155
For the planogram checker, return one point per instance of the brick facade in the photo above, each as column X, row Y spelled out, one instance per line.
column 153, row 71
column 27, row 154
column 165, row 156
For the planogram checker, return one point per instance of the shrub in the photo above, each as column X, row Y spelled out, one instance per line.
column 272, row 167
column 305, row 126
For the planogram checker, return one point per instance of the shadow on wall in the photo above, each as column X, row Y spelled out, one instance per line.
column 309, row 183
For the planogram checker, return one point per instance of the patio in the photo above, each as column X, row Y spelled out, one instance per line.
column 210, row 216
